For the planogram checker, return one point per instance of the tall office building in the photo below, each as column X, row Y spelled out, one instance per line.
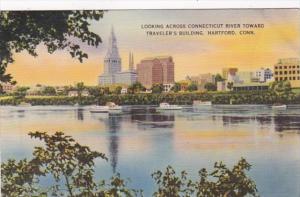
column 156, row 70
column 288, row 70
column 112, row 66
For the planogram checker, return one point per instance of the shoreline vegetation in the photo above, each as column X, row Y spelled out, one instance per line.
column 71, row 167
column 186, row 98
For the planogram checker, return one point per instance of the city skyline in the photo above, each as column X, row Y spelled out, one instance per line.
column 192, row 54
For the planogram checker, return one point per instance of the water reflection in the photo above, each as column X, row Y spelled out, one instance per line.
column 287, row 123
column 141, row 139
column 149, row 118
column 79, row 114
column 113, row 125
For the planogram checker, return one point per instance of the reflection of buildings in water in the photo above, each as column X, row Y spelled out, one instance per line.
column 20, row 113
column 286, row 123
column 150, row 119
column 79, row 114
column 263, row 120
column 113, row 125
column 142, row 117
column 229, row 120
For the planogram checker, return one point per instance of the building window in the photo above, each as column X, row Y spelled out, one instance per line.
column 280, row 67
column 280, row 78
column 276, row 73
column 285, row 67
column 276, row 67
column 285, row 72
column 276, row 78
column 294, row 78
column 290, row 78
column 294, row 72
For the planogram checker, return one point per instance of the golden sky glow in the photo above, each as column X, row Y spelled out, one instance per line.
column 192, row 54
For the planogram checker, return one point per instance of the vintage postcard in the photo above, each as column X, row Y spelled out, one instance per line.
column 164, row 103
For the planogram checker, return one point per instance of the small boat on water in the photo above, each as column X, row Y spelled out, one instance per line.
column 199, row 103
column 108, row 108
column 279, row 106
column 167, row 106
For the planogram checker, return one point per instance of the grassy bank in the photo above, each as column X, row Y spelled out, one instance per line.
column 258, row 97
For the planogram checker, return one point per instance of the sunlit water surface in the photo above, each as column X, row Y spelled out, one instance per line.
column 141, row 140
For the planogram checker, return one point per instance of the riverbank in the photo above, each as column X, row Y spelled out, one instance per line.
column 258, row 97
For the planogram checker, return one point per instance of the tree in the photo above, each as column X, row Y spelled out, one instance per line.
column 136, row 88
column 1, row 89
column 157, row 88
column 228, row 182
column 67, row 160
column 96, row 91
column 230, row 85
column 282, row 90
column 192, row 87
column 176, row 87
column 169, row 184
column 118, row 90
column 70, row 164
column 80, row 87
column 57, row 30
column 221, row 182
column 210, row 86
column 49, row 91
column 218, row 78
column 20, row 92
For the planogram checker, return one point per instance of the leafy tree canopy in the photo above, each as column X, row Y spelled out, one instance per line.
column 157, row 88
column 210, row 86
column 176, row 87
column 71, row 165
column 219, row 78
column 49, row 90
column 57, row 30
column 136, row 88
column 192, row 87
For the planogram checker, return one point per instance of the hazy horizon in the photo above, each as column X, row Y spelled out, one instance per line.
column 193, row 55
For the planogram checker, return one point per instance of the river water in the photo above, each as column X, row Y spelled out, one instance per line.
column 141, row 140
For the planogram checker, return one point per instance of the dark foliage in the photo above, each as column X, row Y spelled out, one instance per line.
column 57, row 30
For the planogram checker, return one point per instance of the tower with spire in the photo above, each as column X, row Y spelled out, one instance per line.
column 112, row 60
column 112, row 73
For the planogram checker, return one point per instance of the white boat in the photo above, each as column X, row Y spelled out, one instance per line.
column 202, row 103
column 167, row 106
column 109, row 107
column 99, row 109
column 279, row 106
column 113, row 107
